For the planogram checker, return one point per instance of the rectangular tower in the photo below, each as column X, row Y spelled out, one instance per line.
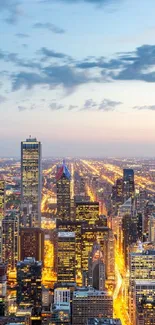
column 66, row 256
column 63, row 179
column 31, row 179
column 31, row 244
column 10, row 241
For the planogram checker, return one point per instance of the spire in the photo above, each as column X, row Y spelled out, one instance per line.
column 63, row 172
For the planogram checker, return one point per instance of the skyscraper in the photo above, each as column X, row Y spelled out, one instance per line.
column 63, row 179
column 96, row 268
column 66, row 256
column 2, row 198
column 31, row 179
column 128, row 183
column 10, row 241
column 29, row 291
column 3, row 289
column 31, row 244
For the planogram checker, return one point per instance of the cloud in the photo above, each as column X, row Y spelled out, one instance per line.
column 72, row 107
column 50, row 54
column 23, row 108
column 108, row 105
column 22, row 35
column 96, row 2
column 51, row 27
column 50, row 76
column 56, row 107
column 13, row 57
column 136, row 65
column 89, row 104
column 146, row 107
column 2, row 99
column 12, row 9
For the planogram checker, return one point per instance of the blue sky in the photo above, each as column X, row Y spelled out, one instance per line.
column 79, row 75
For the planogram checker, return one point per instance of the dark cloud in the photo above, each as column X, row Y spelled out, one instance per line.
column 51, row 27
column 89, row 104
column 12, row 9
column 136, row 65
column 146, row 107
column 50, row 76
column 50, row 54
column 22, row 35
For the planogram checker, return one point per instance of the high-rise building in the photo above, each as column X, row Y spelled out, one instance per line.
column 63, row 179
column 146, row 311
column 128, row 183
column 3, row 289
column 31, row 179
column 2, row 198
column 96, row 268
column 89, row 303
column 31, row 244
column 141, row 267
column 10, row 231
column 104, row 237
column 142, row 288
column 117, row 194
column 29, row 290
column 87, row 211
column 66, row 257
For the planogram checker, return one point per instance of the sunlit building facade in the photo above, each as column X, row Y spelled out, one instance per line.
column 3, row 289
column 63, row 181
column 10, row 233
column 31, row 179
column 29, row 290
column 2, row 198
column 66, row 257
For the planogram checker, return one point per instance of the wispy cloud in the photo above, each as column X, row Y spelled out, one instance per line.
column 56, row 107
column 145, row 107
column 12, row 10
column 26, row 108
column 51, row 54
column 22, row 35
column 51, row 27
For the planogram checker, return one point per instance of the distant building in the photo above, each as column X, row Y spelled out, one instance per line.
column 66, row 257
column 31, row 179
column 31, row 244
column 29, row 290
column 63, row 179
column 128, row 184
column 89, row 303
column 10, row 232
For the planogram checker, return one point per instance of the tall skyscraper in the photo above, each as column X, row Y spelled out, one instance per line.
column 10, row 230
column 31, row 179
column 2, row 210
column 128, row 183
column 29, row 290
column 63, row 179
column 66, row 256
column 96, row 268
column 2, row 198
column 31, row 244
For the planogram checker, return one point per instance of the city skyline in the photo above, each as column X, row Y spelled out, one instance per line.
column 87, row 81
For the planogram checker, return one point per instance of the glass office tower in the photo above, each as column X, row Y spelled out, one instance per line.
column 31, row 181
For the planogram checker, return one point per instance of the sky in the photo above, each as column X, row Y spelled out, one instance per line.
column 79, row 75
